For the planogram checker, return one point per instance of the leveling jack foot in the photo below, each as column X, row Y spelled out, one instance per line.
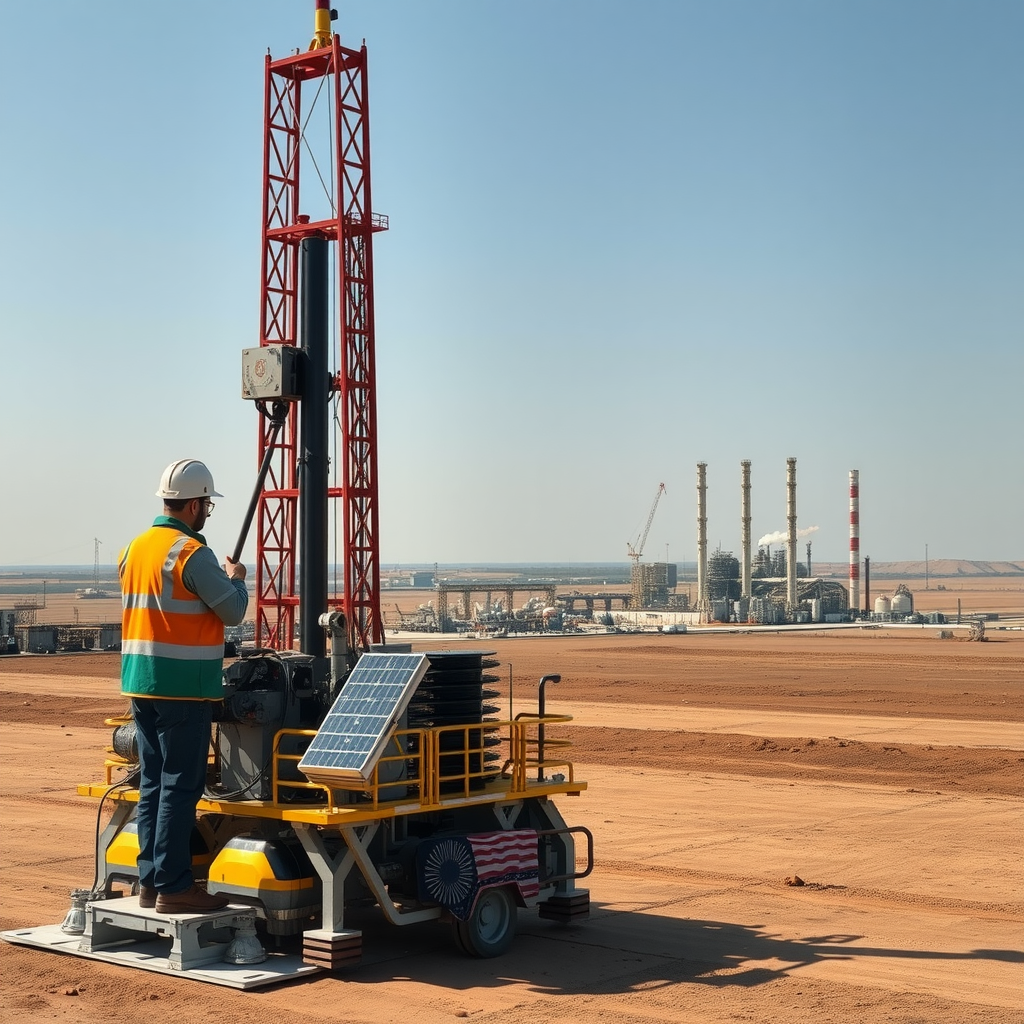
column 245, row 947
column 331, row 950
column 74, row 923
column 566, row 909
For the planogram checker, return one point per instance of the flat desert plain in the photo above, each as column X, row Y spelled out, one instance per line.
column 883, row 768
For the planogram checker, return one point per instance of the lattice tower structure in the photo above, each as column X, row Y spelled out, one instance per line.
column 762, row 564
column 722, row 576
column 650, row 585
column 337, row 78
column 637, row 596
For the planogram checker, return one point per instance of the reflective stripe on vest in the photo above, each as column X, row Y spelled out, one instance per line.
column 172, row 644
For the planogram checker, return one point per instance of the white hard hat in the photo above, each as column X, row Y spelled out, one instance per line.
column 187, row 478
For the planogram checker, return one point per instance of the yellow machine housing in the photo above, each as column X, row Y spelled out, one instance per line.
column 273, row 875
column 122, row 854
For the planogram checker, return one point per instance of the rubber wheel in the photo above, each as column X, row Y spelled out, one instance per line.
column 492, row 926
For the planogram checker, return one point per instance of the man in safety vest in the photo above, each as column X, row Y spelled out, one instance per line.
column 176, row 601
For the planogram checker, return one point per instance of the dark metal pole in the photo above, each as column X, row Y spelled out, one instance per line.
column 277, row 418
column 540, row 727
column 313, row 425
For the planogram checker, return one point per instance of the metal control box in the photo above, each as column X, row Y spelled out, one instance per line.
column 272, row 372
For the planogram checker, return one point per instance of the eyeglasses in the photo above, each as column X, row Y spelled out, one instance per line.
column 210, row 506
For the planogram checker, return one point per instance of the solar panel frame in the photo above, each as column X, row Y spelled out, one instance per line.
column 354, row 733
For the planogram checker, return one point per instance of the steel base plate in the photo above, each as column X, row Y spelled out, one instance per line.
column 151, row 955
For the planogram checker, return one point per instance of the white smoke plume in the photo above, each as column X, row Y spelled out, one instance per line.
column 783, row 538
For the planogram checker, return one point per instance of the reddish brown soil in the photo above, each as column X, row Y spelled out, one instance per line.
column 764, row 952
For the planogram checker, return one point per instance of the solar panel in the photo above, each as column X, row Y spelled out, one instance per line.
column 356, row 729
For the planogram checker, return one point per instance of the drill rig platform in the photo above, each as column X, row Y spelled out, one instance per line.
column 428, row 818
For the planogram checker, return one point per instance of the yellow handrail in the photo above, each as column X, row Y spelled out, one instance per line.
column 277, row 757
column 422, row 751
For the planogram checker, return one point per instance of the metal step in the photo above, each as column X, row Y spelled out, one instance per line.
column 119, row 931
column 196, row 939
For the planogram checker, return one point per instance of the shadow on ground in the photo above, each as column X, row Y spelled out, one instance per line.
column 616, row 952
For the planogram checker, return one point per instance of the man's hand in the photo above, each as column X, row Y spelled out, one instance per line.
column 235, row 570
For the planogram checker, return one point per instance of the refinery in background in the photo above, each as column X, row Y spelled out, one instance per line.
column 766, row 585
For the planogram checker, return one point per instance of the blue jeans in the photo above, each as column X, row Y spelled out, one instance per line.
column 174, row 741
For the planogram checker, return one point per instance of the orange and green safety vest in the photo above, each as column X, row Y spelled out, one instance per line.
column 172, row 644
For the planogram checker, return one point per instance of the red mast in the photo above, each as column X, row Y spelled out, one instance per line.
column 336, row 76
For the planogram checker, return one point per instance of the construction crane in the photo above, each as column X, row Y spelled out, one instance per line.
column 639, row 582
column 636, row 551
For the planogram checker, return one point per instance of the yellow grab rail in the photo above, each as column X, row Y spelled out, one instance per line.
column 433, row 767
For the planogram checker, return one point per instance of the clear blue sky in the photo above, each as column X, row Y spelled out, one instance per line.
column 625, row 238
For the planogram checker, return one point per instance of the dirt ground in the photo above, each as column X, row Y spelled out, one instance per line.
column 884, row 768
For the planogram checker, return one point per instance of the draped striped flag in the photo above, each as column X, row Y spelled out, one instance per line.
column 454, row 870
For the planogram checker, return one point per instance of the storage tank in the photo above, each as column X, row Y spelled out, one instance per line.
column 902, row 604
column 882, row 605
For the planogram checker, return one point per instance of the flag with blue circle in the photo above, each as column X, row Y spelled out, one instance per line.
column 455, row 869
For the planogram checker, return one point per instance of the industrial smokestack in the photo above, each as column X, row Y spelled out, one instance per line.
column 745, row 522
column 791, row 546
column 867, row 585
column 810, row 571
column 855, row 538
column 702, row 538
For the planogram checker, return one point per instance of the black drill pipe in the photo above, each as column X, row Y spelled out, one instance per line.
column 314, row 419
column 277, row 418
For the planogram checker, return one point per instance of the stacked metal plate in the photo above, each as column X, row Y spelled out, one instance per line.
column 356, row 729
column 454, row 691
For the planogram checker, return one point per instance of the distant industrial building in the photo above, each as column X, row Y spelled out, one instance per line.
column 653, row 584
column 417, row 580
column 768, row 588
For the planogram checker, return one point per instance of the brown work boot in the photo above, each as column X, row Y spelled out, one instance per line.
column 147, row 897
column 191, row 901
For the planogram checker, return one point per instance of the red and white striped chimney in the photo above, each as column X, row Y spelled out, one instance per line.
column 854, row 539
column 791, row 546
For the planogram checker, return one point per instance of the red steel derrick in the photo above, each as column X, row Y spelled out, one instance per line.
column 339, row 74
